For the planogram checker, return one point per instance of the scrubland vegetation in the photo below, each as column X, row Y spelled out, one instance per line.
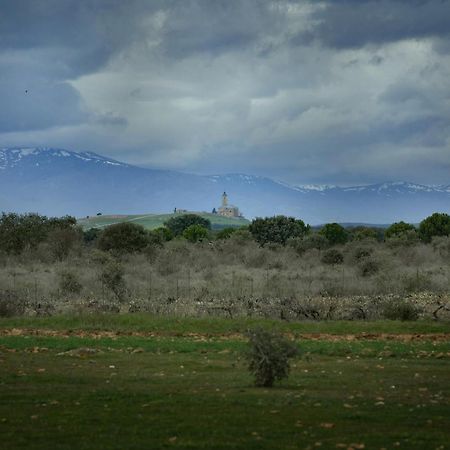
column 274, row 268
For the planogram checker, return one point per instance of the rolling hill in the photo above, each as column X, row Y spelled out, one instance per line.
column 152, row 221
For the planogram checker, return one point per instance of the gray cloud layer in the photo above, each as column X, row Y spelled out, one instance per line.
column 334, row 91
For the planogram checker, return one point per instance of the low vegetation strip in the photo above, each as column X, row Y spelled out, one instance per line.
column 98, row 334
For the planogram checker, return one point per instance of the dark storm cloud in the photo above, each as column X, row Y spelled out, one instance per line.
column 216, row 26
column 355, row 23
column 81, row 34
column 309, row 91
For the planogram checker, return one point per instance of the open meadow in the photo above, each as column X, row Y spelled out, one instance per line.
column 139, row 381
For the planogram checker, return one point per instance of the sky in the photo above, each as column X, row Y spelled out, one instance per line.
column 335, row 92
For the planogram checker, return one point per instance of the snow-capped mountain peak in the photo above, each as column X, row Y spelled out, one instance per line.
column 15, row 156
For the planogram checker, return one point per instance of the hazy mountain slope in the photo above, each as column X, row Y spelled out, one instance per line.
column 56, row 182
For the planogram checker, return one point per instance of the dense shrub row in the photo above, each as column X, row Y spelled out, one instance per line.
column 20, row 233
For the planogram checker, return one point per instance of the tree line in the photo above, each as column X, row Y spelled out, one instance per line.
column 20, row 232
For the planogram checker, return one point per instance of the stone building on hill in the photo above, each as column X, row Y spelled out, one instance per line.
column 227, row 210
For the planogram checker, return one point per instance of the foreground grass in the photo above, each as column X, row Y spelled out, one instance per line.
column 193, row 391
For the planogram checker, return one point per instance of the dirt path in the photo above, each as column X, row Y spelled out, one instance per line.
column 99, row 334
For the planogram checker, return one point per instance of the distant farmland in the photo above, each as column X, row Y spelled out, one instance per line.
column 152, row 221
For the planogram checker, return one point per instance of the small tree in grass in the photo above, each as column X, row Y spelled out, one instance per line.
column 268, row 356
column 178, row 224
column 438, row 224
column 335, row 233
column 277, row 229
column 195, row 233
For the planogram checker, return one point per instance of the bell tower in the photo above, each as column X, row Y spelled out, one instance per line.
column 224, row 200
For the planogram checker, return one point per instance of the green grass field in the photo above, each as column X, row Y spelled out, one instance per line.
column 152, row 221
column 140, row 382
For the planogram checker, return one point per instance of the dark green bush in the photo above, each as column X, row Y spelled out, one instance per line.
column 123, row 238
column 195, row 233
column 400, row 310
column 268, row 356
column 335, row 233
column 332, row 256
column 226, row 233
column 277, row 229
column 397, row 229
column 178, row 224
column 165, row 234
column 438, row 224
column 19, row 232
column 91, row 235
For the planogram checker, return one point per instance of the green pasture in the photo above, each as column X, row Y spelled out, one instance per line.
column 152, row 221
column 140, row 382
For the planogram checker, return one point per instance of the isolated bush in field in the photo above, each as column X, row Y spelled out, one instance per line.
column 369, row 267
column 398, row 229
column 332, row 256
column 69, row 283
column 178, row 224
column 195, row 233
column 400, row 310
column 335, row 233
column 226, row 233
column 10, row 304
column 438, row 224
column 268, row 356
column 111, row 277
column 123, row 238
column 277, row 229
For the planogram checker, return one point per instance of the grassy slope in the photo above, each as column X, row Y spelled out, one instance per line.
column 151, row 221
column 192, row 391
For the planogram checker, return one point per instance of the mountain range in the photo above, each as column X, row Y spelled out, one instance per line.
column 57, row 182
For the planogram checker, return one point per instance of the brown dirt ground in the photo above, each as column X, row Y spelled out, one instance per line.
column 98, row 334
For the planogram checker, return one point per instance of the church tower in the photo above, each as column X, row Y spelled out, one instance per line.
column 224, row 200
column 228, row 210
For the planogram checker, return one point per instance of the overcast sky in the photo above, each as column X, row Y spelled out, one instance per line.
column 338, row 92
